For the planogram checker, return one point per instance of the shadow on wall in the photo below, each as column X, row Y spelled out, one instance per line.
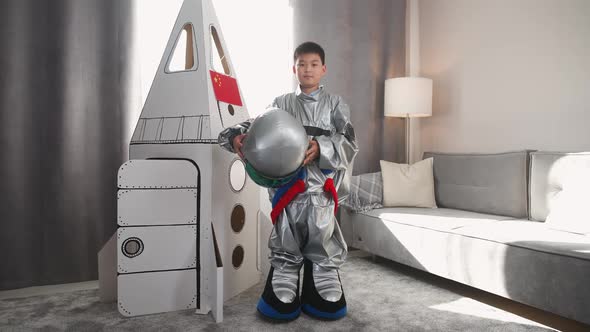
column 446, row 92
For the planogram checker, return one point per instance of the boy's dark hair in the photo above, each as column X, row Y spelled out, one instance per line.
column 309, row 47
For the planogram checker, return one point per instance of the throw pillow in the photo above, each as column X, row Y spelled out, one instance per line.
column 408, row 185
column 570, row 211
column 366, row 192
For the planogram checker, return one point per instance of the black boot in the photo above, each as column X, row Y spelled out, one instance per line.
column 270, row 306
column 314, row 304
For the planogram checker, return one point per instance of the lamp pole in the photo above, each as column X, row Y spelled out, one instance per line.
column 407, row 138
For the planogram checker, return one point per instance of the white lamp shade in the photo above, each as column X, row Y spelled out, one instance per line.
column 408, row 96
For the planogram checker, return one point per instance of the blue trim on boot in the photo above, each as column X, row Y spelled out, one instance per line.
column 308, row 309
column 270, row 312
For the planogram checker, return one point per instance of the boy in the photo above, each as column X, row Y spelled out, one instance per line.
column 306, row 232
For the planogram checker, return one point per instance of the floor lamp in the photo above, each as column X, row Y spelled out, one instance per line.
column 408, row 97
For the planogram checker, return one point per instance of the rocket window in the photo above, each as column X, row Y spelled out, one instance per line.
column 237, row 256
column 238, row 218
column 218, row 59
column 237, row 175
column 183, row 56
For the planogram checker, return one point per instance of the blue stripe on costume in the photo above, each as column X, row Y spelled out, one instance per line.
column 282, row 190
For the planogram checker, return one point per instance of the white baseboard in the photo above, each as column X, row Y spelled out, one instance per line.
column 48, row 290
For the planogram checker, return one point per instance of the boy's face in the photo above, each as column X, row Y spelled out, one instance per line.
column 309, row 70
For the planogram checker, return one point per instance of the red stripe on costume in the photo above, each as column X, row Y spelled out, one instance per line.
column 297, row 188
column 329, row 187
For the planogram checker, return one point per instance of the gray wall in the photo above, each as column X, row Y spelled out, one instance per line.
column 508, row 75
column 64, row 96
column 364, row 44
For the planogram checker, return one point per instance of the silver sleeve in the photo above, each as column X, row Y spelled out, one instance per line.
column 226, row 137
column 337, row 152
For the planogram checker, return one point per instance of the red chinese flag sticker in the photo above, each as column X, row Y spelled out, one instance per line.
column 225, row 88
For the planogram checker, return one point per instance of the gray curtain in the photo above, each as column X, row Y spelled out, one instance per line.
column 365, row 44
column 64, row 98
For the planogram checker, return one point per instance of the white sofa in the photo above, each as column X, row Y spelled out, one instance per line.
column 488, row 230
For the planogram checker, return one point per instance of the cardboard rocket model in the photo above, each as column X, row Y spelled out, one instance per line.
column 187, row 213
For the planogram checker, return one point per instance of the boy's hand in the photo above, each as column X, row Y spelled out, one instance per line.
column 237, row 144
column 313, row 151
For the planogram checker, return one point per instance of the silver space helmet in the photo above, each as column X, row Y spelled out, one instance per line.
column 274, row 148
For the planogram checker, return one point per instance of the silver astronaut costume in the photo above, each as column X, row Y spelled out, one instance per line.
column 307, row 227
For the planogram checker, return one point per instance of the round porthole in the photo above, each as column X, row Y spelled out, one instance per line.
column 237, row 257
column 237, row 175
column 230, row 109
column 132, row 247
column 238, row 218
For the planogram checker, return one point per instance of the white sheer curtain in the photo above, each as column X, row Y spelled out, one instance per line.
column 258, row 36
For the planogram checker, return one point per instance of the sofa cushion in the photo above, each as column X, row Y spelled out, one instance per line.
column 531, row 235
column 486, row 183
column 570, row 211
column 408, row 185
column 440, row 219
column 550, row 171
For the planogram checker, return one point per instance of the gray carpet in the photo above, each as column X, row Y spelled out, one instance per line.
column 381, row 297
